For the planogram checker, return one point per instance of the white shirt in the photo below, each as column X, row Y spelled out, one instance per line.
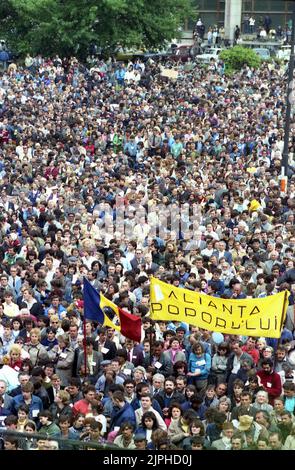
column 237, row 365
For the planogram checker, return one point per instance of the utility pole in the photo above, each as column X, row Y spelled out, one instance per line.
column 290, row 97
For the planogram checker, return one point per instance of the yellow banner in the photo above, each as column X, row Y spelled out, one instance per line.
column 249, row 317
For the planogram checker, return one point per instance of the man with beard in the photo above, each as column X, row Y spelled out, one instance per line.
column 286, row 424
column 169, row 395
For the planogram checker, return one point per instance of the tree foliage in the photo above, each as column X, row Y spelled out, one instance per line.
column 69, row 26
column 237, row 57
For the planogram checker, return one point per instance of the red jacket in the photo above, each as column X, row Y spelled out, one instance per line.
column 82, row 406
column 254, row 353
column 16, row 365
column 272, row 384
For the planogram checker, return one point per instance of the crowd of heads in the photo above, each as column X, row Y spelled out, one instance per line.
column 117, row 173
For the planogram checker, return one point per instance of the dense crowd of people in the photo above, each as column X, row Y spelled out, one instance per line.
column 82, row 145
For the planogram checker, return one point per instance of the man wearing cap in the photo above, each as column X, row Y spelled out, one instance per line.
column 140, row 441
column 249, row 429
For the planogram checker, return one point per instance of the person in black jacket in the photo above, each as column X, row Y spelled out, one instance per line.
column 61, row 406
column 134, row 353
column 105, row 346
column 159, row 363
column 28, row 301
column 169, row 395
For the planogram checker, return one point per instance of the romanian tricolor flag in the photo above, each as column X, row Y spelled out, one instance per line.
column 94, row 302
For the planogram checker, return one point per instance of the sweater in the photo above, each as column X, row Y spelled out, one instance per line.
column 51, row 430
column 271, row 383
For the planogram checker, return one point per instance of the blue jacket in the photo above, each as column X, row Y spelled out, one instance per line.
column 140, row 430
column 219, row 284
column 206, row 346
column 202, row 363
column 200, row 412
column 36, row 405
column 122, row 415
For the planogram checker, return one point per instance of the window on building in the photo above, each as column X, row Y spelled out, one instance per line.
column 247, row 5
column 261, row 5
column 210, row 5
column 277, row 5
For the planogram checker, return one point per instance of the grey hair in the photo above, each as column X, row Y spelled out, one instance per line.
column 159, row 377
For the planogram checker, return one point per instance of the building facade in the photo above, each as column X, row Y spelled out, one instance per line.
column 212, row 12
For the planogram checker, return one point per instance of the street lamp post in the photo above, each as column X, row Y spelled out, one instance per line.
column 289, row 100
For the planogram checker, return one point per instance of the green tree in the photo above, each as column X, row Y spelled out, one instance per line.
column 237, row 57
column 69, row 26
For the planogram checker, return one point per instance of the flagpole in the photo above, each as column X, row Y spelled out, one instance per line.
column 151, row 347
column 285, row 306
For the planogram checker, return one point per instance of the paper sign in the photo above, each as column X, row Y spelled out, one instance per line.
column 63, row 355
column 127, row 371
column 200, row 363
column 35, row 413
column 158, row 365
column 170, row 73
column 104, row 350
column 268, row 384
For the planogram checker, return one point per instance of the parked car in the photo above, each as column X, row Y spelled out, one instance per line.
column 284, row 53
column 157, row 55
column 208, row 54
column 128, row 54
column 263, row 53
column 179, row 53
